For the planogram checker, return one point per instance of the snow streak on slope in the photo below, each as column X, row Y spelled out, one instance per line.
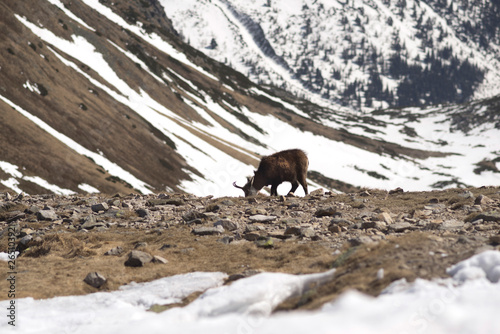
column 111, row 167
column 465, row 303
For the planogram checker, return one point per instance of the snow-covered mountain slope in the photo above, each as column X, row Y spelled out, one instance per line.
column 104, row 96
column 359, row 53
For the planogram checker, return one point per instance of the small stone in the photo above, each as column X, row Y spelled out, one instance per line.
column 208, row 230
column 452, row 224
column 227, row 224
column 307, row 232
column 25, row 240
column 482, row 200
column 398, row 190
column 495, row 239
column 95, row 279
column 99, row 207
column 91, row 222
column 255, row 211
column 334, row 228
column 192, row 215
column 385, row 217
column 323, row 212
column 262, row 218
column 400, row 227
column 25, row 232
column 118, row 250
column 251, row 236
column 341, row 222
column 292, row 230
column 33, row 209
column 159, row 259
column 226, row 240
column 47, row 215
column 142, row 213
column 493, row 216
column 140, row 244
column 317, row 192
column 138, row 259
column 361, row 240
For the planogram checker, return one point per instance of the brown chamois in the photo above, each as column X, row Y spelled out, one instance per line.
column 289, row 165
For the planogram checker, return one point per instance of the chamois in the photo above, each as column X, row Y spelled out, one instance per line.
column 289, row 165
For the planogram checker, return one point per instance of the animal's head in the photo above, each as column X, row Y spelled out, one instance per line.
column 248, row 188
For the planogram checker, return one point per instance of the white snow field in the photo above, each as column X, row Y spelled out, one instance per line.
column 467, row 302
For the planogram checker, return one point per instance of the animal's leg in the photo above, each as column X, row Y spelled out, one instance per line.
column 303, row 182
column 274, row 190
column 295, row 185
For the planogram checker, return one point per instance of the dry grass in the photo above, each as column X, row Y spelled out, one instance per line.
column 58, row 265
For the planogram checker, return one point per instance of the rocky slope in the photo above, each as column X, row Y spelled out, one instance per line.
column 372, row 237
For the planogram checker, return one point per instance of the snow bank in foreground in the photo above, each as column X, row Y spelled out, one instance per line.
column 465, row 303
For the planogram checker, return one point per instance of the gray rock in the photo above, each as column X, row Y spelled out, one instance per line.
column 208, row 230
column 482, row 200
column 292, row 230
column 323, row 212
column 341, row 222
column 95, row 279
column 226, row 240
column 142, row 213
column 251, row 236
column 159, row 259
column 255, row 211
column 165, row 201
column 452, row 224
column 361, row 240
column 492, row 216
column 47, row 215
column 400, row 226
column 227, row 224
column 262, row 218
column 140, row 244
column 33, row 209
column 118, row 250
column 99, row 207
column 192, row 215
column 307, row 232
column 138, row 259
column 91, row 222
column 25, row 240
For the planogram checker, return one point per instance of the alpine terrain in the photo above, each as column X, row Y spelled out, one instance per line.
column 102, row 96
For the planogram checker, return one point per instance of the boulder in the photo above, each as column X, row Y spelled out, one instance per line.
column 138, row 259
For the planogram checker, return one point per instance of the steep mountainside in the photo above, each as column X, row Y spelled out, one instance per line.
column 359, row 53
column 104, row 96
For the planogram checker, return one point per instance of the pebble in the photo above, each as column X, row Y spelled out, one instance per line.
column 208, row 230
column 262, row 218
column 138, row 259
column 95, row 279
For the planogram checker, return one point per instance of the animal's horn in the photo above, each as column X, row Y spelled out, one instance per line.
column 237, row 186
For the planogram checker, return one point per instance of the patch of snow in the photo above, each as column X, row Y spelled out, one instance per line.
column 13, row 182
column 6, row 256
column 88, row 188
column 459, row 304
